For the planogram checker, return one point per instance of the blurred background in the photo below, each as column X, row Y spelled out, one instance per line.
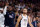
column 33, row 7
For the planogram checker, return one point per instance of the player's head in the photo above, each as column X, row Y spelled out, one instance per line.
column 10, row 8
column 24, row 10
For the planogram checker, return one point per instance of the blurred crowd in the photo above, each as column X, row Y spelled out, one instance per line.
column 18, row 6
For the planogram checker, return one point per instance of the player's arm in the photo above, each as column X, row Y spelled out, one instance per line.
column 18, row 20
column 29, row 21
column 5, row 9
column 14, row 18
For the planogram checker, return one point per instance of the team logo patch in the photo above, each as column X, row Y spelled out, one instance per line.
column 10, row 16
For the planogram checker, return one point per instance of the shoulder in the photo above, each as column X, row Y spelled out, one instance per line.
column 28, row 16
column 13, row 13
column 20, row 16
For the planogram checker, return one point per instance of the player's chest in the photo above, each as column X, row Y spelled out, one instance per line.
column 1, row 15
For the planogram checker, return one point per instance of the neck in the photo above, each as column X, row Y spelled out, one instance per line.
column 24, row 14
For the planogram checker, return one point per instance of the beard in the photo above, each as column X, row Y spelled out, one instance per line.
column 24, row 13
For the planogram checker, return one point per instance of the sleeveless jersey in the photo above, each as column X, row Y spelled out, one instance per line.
column 24, row 21
column 2, row 19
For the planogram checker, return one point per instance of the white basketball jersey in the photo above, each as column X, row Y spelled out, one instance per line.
column 24, row 21
column 2, row 19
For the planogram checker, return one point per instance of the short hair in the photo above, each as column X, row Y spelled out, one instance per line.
column 25, row 8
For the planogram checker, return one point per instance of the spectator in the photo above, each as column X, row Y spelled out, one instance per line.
column 10, row 18
column 34, row 22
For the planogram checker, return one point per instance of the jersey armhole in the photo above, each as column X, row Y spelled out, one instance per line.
column 27, row 16
column 21, row 19
column 21, row 16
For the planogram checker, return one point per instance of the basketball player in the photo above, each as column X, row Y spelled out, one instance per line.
column 24, row 19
